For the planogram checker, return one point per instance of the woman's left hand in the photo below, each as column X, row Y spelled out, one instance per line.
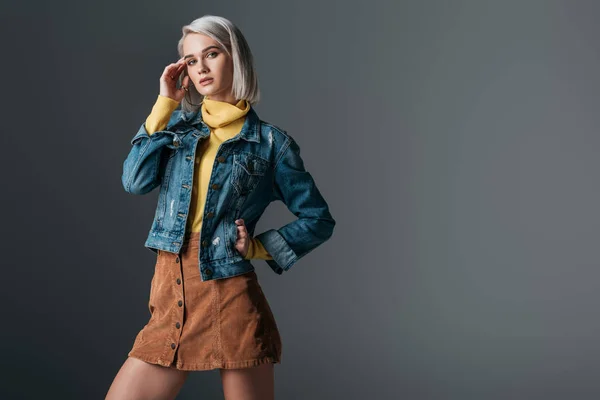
column 243, row 240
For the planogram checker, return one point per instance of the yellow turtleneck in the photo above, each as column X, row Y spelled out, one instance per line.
column 226, row 121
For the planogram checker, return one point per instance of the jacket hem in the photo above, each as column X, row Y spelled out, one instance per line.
column 209, row 270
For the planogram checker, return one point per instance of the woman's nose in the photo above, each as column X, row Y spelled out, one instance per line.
column 202, row 68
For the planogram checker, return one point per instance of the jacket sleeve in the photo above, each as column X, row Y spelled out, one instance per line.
column 296, row 188
column 141, row 168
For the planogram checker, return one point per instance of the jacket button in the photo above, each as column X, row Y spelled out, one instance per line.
column 172, row 345
column 215, row 186
column 204, row 243
column 208, row 272
column 178, row 281
column 177, row 259
column 180, row 303
column 177, row 325
column 210, row 214
column 221, row 159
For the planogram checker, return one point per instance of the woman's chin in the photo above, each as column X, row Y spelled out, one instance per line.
column 202, row 91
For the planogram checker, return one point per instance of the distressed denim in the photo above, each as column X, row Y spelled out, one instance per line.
column 260, row 165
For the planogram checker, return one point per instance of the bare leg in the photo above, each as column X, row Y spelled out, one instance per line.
column 137, row 380
column 256, row 383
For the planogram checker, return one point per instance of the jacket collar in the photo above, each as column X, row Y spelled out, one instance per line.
column 250, row 130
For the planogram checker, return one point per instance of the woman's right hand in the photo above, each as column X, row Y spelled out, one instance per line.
column 168, row 80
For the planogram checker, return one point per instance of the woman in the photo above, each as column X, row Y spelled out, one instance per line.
column 218, row 167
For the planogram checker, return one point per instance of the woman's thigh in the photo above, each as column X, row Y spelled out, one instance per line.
column 138, row 379
column 255, row 383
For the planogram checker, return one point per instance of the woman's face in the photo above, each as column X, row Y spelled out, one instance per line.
column 204, row 58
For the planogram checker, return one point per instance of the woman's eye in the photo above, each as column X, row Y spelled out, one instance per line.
column 212, row 52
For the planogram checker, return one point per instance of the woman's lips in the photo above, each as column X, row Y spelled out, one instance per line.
column 206, row 81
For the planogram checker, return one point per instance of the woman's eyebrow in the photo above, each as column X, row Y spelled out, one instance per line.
column 208, row 48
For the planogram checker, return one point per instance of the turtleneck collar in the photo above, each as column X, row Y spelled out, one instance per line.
column 217, row 114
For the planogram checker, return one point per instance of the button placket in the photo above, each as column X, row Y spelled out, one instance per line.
column 180, row 303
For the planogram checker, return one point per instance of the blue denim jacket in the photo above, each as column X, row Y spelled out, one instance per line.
column 259, row 165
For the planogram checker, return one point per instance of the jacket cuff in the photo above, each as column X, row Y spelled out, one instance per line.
column 283, row 255
column 143, row 133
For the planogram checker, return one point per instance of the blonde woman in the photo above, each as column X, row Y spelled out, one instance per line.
column 218, row 166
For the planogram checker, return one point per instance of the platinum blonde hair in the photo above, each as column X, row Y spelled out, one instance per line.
column 231, row 40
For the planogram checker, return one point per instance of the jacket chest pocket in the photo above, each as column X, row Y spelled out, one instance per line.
column 248, row 170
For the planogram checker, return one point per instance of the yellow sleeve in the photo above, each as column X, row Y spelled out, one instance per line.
column 161, row 113
column 257, row 250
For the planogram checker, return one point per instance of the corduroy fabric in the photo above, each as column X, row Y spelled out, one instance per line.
column 202, row 325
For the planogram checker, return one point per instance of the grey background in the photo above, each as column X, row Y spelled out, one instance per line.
column 455, row 141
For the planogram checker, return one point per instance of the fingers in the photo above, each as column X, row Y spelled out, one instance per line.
column 241, row 228
column 173, row 70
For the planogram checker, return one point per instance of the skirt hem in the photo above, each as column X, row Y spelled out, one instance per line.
column 186, row 366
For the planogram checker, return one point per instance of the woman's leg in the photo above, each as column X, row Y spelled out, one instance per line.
column 255, row 383
column 138, row 379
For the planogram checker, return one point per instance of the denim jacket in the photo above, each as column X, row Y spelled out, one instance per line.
column 259, row 165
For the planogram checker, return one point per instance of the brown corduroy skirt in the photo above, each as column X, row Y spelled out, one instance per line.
column 202, row 325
